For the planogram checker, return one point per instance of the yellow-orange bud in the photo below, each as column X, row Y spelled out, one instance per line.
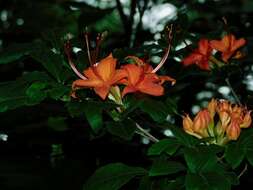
column 187, row 124
column 246, row 120
column 201, row 122
column 212, row 107
column 233, row 130
column 224, row 118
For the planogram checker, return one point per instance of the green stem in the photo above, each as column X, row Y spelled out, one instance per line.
column 233, row 92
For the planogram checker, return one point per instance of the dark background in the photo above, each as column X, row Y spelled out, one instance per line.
column 38, row 156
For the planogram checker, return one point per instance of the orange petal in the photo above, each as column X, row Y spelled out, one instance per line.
column 166, row 78
column 222, row 45
column 204, row 48
column 226, row 55
column 106, row 68
column 134, row 73
column 192, row 59
column 86, row 83
column 149, row 86
column 89, row 73
column 147, row 68
column 118, row 77
column 128, row 89
column 237, row 44
column 102, row 91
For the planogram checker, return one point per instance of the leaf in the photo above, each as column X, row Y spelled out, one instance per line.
column 183, row 137
column 234, row 154
column 14, row 94
column 36, row 93
column 123, row 129
column 201, row 159
column 145, row 183
column 112, row 177
column 57, row 123
column 156, row 109
column 52, row 62
column 15, row 52
column 92, row 110
column 57, row 91
column 207, row 181
column 164, row 167
column 169, row 146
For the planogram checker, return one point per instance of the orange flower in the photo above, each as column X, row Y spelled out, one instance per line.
column 200, row 56
column 141, row 79
column 227, row 46
column 201, row 122
column 101, row 77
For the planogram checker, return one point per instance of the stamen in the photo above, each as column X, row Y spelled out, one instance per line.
column 87, row 45
column 167, row 52
column 67, row 48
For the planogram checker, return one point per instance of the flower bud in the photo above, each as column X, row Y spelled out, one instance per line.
column 187, row 124
column 201, row 122
column 212, row 107
column 246, row 120
column 233, row 130
column 224, row 118
column 224, row 106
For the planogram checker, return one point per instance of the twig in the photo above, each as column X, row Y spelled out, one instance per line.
column 146, row 134
column 233, row 92
column 243, row 171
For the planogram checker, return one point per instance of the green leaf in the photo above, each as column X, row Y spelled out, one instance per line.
column 92, row 110
column 164, row 167
column 201, row 159
column 15, row 52
column 146, row 183
column 207, row 181
column 169, row 145
column 123, row 129
column 57, row 123
column 112, row 177
column 36, row 92
column 234, row 154
column 14, row 94
column 52, row 62
column 57, row 91
column 156, row 109
column 183, row 137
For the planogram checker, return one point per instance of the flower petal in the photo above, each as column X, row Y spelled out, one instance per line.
column 134, row 73
column 86, row 83
column 102, row 91
column 192, row 59
column 118, row 77
column 204, row 47
column 150, row 86
column 128, row 89
column 106, row 68
column 220, row 45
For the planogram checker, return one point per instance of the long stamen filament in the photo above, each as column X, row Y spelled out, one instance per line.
column 88, row 46
column 73, row 67
column 167, row 52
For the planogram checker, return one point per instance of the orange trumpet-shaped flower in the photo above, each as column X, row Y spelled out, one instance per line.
column 233, row 130
column 228, row 45
column 200, row 56
column 141, row 79
column 101, row 77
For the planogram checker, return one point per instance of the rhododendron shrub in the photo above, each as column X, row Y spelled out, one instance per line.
column 181, row 106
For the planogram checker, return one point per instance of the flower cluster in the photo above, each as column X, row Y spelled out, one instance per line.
column 202, row 56
column 137, row 77
column 220, row 122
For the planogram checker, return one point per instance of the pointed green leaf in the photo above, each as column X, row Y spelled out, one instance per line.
column 169, row 146
column 112, row 177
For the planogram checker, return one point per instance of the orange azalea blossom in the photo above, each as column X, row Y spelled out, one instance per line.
column 228, row 46
column 231, row 119
column 101, row 77
column 141, row 79
column 200, row 56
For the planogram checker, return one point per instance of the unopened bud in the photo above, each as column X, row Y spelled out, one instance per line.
column 233, row 130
